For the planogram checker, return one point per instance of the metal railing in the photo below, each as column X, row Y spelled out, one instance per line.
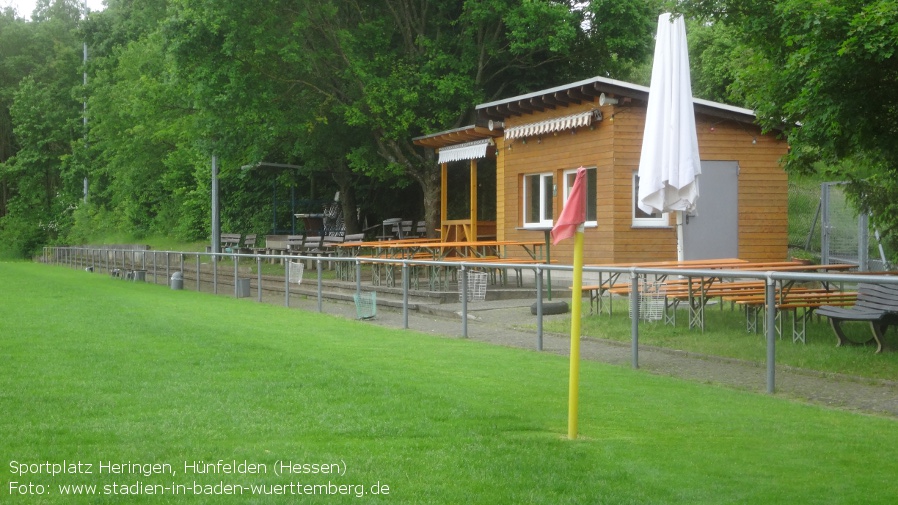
column 128, row 260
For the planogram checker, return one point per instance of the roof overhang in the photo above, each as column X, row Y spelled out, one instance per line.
column 589, row 90
column 457, row 136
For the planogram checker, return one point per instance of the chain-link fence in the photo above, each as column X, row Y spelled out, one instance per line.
column 824, row 225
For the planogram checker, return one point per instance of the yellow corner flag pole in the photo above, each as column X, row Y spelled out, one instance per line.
column 574, row 381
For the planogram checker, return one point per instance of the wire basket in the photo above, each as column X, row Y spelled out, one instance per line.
column 476, row 286
column 652, row 301
column 365, row 304
column 296, row 270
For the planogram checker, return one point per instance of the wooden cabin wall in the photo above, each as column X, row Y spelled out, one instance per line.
column 763, row 184
column 613, row 146
column 588, row 147
column 634, row 244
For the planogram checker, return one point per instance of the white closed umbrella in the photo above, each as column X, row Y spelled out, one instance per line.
column 669, row 166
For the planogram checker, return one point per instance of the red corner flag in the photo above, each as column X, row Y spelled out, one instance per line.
column 574, row 212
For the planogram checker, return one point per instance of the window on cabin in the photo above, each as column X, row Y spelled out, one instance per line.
column 539, row 193
column 643, row 219
column 591, row 180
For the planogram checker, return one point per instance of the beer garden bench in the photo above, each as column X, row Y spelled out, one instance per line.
column 876, row 304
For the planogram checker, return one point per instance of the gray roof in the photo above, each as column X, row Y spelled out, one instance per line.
column 588, row 90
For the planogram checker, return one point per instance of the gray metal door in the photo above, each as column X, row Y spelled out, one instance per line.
column 713, row 231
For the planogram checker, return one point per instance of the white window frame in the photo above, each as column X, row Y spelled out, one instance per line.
column 567, row 193
column 545, row 190
column 639, row 219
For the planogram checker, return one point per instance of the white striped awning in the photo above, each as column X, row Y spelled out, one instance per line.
column 467, row 151
column 550, row 125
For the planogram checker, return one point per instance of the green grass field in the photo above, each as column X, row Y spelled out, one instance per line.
column 726, row 335
column 98, row 370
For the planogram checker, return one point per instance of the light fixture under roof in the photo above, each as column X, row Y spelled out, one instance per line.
column 604, row 100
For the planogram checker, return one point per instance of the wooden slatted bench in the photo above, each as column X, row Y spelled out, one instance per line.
column 249, row 244
column 806, row 299
column 383, row 272
column 808, row 303
column 230, row 242
column 675, row 289
column 593, row 291
column 294, row 243
column 719, row 290
column 876, row 304
column 350, row 247
column 596, row 291
column 518, row 271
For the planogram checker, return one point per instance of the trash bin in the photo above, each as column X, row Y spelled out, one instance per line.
column 242, row 288
column 177, row 280
column 139, row 276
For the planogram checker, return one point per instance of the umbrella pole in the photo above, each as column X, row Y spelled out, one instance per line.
column 681, row 255
column 576, row 302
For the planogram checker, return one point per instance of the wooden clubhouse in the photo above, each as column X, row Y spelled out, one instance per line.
column 523, row 153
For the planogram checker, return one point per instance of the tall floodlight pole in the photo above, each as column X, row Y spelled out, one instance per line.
column 216, row 224
column 84, row 6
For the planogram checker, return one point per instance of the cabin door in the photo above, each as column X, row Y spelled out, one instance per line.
column 713, row 230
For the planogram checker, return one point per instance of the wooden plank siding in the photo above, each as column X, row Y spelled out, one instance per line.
column 613, row 147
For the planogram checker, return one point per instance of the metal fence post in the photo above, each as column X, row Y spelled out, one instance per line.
column 464, row 300
column 770, row 298
column 287, row 283
column 539, row 308
column 236, row 273
column 318, row 267
column 634, row 315
column 259, row 276
column 405, row 288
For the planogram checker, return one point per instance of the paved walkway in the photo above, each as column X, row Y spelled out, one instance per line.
column 495, row 322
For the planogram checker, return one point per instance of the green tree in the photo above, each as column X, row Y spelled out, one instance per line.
column 391, row 69
column 825, row 74
column 40, row 185
column 16, row 62
column 148, row 171
column 715, row 56
column 141, row 145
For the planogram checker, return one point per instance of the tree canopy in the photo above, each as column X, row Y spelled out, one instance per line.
column 390, row 70
column 337, row 87
column 825, row 74
column 340, row 87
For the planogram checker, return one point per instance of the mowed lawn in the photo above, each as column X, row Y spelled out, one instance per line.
column 161, row 383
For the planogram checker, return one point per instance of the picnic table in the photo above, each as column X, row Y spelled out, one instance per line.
column 696, row 291
column 700, row 292
column 791, row 299
column 547, row 234
column 484, row 251
column 608, row 282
